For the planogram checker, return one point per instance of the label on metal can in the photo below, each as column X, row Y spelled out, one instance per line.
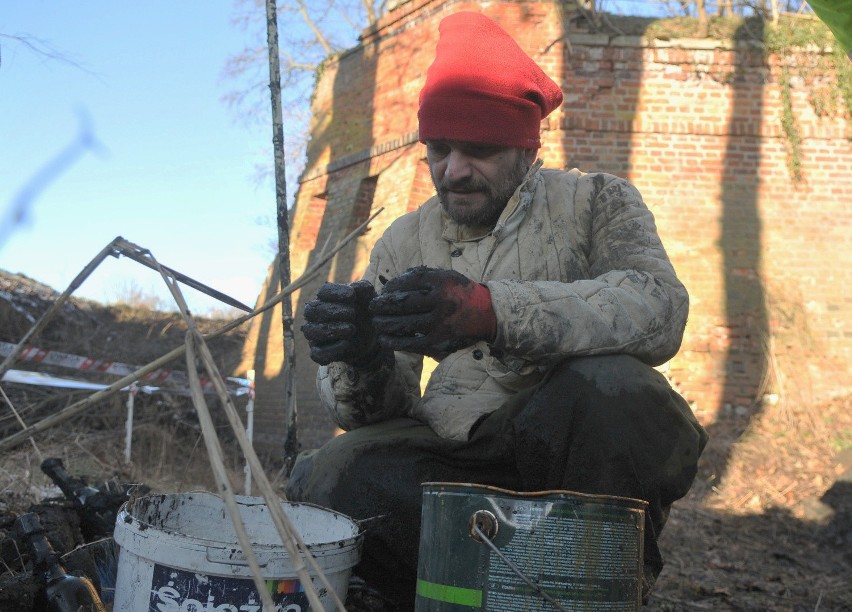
column 583, row 551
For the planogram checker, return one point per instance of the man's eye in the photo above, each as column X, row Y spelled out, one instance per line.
column 439, row 149
column 482, row 151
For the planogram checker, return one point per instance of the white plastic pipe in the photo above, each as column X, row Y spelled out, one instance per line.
column 249, row 428
column 128, row 426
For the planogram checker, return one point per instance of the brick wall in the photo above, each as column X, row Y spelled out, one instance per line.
column 694, row 124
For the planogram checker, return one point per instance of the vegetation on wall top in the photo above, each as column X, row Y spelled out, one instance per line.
column 804, row 49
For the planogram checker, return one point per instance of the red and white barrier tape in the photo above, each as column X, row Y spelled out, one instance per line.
column 46, row 380
column 77, row 362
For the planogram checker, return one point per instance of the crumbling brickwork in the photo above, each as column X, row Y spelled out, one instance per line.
column 694, row 124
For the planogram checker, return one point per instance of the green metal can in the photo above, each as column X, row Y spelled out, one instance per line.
column 485, row 548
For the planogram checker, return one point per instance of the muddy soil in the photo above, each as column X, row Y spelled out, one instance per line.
column 771, row 532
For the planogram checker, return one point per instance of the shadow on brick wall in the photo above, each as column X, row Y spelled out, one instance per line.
column 328, row 215
column 745, row 362
column 344, row 204
column 603, row 87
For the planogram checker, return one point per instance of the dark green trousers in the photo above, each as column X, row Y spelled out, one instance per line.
column 600, row 425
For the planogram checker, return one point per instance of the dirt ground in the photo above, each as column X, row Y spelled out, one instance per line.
column 774, row 530
column 767, row 525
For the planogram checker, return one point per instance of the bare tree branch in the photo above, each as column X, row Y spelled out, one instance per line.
column 370, row 10
column 321, row 39
column 314, row 30
column 43, row 49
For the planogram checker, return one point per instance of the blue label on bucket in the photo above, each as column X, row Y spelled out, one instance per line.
column 176, row 590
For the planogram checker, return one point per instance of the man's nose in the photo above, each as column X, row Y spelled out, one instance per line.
column 458, row 166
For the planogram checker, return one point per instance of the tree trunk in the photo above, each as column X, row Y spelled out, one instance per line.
column 290, row 441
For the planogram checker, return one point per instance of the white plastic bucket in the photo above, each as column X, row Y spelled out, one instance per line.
column 179, row 553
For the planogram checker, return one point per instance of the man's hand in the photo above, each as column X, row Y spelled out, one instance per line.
column 338, row 326
column 433, row 312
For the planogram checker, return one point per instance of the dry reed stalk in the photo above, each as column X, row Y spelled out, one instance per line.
column 78, row 407
column 282, row 523
column 214, row 452
column 289, row 535
column 20, row 420
column 54, row 308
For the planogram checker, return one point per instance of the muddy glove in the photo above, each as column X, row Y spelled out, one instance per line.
column 433, row 312
column 338, row 325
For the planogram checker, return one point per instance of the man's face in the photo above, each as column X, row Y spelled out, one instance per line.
column 475, row 181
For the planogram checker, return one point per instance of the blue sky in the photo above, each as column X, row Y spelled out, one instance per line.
column 175, row 170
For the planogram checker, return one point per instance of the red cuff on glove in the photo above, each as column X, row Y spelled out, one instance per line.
column 476, row 312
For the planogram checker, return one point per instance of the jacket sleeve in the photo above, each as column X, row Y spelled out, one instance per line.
column 631, row 303
column 355, row 396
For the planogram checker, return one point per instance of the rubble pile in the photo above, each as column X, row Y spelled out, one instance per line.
column 78, row 526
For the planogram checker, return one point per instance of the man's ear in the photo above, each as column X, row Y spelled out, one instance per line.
column 530, row 155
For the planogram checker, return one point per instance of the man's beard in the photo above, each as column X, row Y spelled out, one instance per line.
column 497, row 196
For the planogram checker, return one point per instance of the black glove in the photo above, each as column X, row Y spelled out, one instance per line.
column 433, row 312
column 338, row 325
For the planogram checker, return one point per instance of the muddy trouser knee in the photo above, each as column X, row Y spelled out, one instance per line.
column 374, row 474
column 622, row 430
column 601, row 425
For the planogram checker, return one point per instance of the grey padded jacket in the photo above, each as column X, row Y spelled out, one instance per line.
column 574, row 266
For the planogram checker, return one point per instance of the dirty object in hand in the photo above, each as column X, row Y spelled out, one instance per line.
column 338, row 325
column 433, row 312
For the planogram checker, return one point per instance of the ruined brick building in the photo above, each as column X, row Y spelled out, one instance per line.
column 695, row 124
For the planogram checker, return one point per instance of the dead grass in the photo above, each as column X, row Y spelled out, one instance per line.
column 772, row 531
column 787, row 456
column 168, row 454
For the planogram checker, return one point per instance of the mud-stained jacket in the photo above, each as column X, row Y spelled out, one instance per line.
column 574, row 266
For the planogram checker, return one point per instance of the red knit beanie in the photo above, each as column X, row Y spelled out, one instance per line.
column 482, row 87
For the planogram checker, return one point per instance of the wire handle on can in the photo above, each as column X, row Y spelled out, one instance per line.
column 480, row 519
column 486, row 523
